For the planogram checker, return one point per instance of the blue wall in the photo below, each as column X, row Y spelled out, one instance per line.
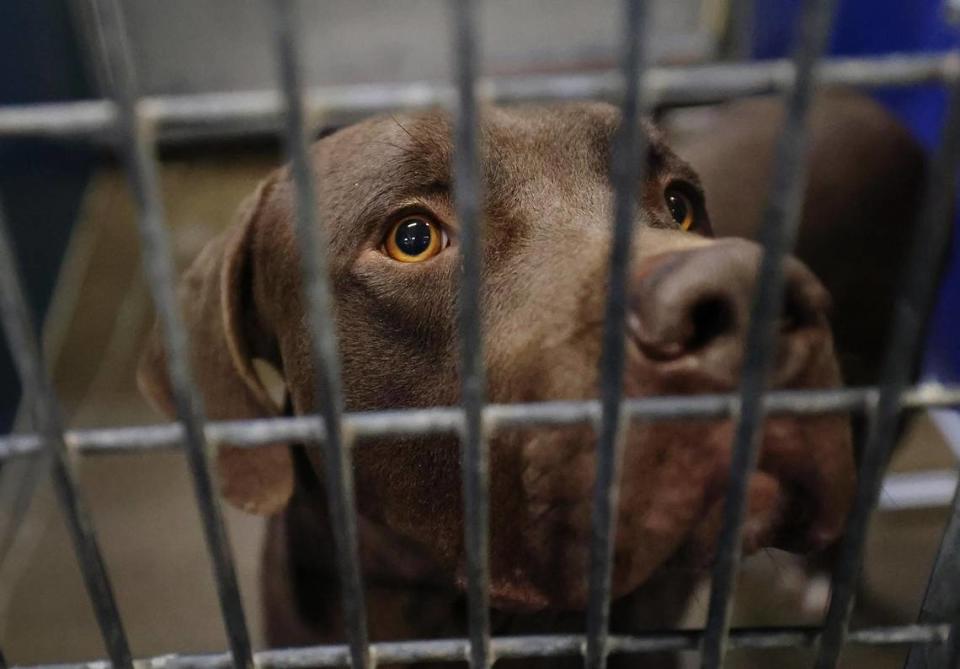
column 40, row 182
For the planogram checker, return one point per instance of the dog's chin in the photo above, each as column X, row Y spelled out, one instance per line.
column 785, row 504
column 767, row 507
column 671, row 513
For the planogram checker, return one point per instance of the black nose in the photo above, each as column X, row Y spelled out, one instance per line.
column 695, row 304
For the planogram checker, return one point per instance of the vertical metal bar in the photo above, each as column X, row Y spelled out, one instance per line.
column 953, row 11
column 953, row 643
column 942, row 599
column 25, row 349
column 738, row 32
column 474, row 454
column 629, row 153
column 781, row 218
column 144, row 179
column 312, row 243
column 913, row 304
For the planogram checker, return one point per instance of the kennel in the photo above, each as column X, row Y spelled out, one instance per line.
column 132, row 123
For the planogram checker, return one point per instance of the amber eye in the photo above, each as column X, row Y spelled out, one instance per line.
column 414, row 239
column 681, row 209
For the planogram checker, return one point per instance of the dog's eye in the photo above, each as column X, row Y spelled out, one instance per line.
column 414, row 239
column 681, row 209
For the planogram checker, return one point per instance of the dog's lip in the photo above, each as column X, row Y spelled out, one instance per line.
column 766, row 505
column 781, row 508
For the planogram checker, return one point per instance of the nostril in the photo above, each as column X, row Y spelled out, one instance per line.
column 806, row 303
column 711, row 318
column 793, row 315
column 799, row 311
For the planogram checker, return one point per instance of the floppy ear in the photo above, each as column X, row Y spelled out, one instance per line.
column 231, row 360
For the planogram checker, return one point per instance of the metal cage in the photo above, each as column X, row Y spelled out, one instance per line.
column 131, row 123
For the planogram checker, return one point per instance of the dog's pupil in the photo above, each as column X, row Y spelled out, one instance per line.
column 677, row 206
column 413, row 237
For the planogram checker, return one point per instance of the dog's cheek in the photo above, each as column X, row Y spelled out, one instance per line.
column 667, row 471
column 557, row 476
column 664, row 477
column 396, row 354
column 412, row 487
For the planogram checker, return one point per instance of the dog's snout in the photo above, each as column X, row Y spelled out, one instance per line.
column 694, row 305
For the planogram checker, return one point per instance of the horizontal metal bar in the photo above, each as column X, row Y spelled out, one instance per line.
column 557, row 645
column 260, row 112
column 925, row 489
column 54, row 119
column 449, row 420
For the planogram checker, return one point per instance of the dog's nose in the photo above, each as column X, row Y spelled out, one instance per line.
column 694, row 305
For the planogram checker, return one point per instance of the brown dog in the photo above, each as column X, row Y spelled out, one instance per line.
column 384, row 193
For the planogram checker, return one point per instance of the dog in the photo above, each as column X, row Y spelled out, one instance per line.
column 384, row 195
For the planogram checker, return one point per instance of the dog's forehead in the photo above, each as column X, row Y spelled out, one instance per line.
column 419, row 145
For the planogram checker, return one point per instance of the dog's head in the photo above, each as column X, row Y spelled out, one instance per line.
column 385, row 197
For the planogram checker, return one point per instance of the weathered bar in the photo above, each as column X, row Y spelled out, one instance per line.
column 628, row 164
column 557, row 645
column 778, row 231
column 18, row 326
column 312, row 243
column 258, row 112
column 474, row 457
column 448, row 420
column 138, row 152
column 918, row 286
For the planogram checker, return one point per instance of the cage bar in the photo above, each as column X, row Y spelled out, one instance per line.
column 778, row 231
column 913, row 304
column 242, row 113
column 474, row 457
column 940, row 600
column 629, row 159
column 142, row 172
column 737, row 40
column 449, row 420
column 942, row 597
column 312, row 243
column 533, row 646
column 25, row 349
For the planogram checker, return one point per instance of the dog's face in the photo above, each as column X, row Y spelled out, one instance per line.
column 385, row 196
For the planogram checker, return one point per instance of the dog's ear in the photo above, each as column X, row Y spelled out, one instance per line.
column 230, row 353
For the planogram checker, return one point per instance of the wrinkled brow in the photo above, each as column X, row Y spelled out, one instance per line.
column 394, row 161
